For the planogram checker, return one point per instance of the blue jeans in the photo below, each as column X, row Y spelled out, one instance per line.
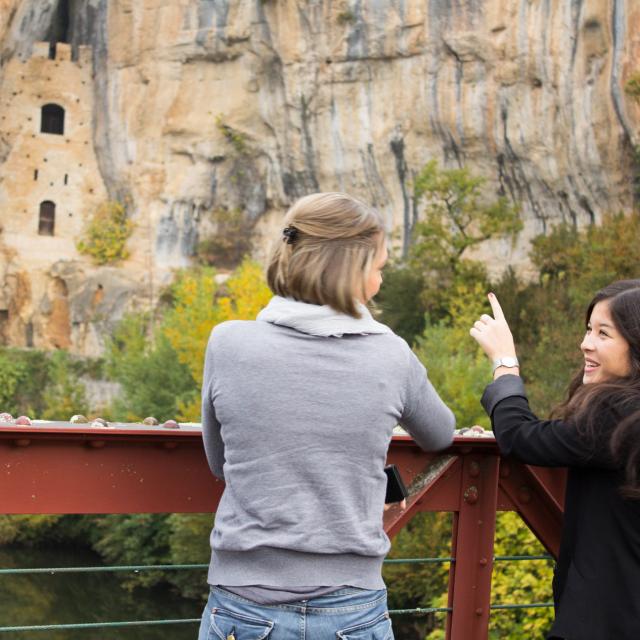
column 345, row 614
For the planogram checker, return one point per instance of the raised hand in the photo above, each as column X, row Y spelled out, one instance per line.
column 493, row 334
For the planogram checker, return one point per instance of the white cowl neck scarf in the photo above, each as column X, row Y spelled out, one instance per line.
column 319, row 320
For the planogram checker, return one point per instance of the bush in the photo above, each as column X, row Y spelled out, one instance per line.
column 153, row 379
column 64, row 394
column 231, row 242
column 105, row 237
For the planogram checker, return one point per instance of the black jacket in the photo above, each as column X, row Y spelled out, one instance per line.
column 596, row 586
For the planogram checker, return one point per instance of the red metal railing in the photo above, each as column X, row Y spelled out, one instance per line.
column 65, row 468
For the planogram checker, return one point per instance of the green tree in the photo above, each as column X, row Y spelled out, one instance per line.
column 24, row 373
column 134, row 539
column 456, row 365
column 547, row 315
column 12, row 375
column 153, row 379
column 64, row 394
column 456, row 218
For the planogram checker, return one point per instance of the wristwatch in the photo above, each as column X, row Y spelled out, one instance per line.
column 507, row 361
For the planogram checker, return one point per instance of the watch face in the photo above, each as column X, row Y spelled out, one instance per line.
column 509, row 362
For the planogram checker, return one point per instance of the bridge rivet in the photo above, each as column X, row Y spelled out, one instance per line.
column 170, row 445
column 483, row 562
column 471, row 495
column 479, row 611
column 474, row 469
column 22, row 442
column 96, row 444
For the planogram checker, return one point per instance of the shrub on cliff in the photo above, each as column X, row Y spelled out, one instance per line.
column 231, row 241
column 106, row 234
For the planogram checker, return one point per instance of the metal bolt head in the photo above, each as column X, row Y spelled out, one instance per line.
column 471, row 495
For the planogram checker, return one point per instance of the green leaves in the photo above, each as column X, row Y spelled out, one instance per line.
column 456, row 216
column 153, row 379
column 455, row 363
column 12, row 374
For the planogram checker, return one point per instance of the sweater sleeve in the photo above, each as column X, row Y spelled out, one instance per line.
column 425, row 416
column 546, row 443
column 211, row 428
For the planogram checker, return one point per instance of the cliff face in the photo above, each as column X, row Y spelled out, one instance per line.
column 202, row 105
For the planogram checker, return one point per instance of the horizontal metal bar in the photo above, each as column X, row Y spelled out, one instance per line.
column 419, row 611
column 418, row 560
column 545, row 556
column 133, row 568
column 97, row 625
column 190, row 567
column 532, row 605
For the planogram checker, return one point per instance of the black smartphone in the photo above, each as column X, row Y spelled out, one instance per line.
column 396, row 491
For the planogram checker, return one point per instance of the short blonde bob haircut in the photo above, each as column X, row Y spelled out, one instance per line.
column 328, row 253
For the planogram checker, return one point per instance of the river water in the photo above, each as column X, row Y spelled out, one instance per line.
column 85, row 597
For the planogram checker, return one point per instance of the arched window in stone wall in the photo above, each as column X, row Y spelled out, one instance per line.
column 52, row 119
column 47, row 219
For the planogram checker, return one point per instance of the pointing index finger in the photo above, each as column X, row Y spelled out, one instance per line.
column 495, row 307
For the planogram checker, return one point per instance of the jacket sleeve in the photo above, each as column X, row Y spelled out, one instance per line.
column 546, row 443
column 425, row 416
column 211, row 428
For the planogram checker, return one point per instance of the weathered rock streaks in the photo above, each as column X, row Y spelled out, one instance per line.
column 247, row 104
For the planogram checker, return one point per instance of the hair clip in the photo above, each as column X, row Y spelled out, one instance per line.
column 290, row 234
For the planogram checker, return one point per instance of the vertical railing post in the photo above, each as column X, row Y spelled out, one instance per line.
column 472, row 547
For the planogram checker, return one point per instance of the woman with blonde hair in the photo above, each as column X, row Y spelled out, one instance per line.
column 298, row 409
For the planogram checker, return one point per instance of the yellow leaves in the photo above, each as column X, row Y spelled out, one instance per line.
column 106, row 234
column 520, row 582
column 189, row 411
column 200, row 303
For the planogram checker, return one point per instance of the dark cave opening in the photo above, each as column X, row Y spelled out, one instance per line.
column 59, row 30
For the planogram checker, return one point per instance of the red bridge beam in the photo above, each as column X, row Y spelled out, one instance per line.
column 65, row 468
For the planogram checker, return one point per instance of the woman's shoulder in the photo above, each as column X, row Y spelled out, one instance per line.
column 233, row 331
column 393, row 350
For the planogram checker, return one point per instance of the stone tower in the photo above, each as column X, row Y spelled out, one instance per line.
column 49, row 184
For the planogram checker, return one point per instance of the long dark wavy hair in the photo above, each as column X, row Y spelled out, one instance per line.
column 586, row 402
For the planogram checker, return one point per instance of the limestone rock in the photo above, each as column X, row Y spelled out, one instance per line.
column 186, row 108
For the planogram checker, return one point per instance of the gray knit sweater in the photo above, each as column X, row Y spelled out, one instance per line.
column 298, row 426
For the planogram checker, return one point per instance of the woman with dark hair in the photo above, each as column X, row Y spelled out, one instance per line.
column 596, row 434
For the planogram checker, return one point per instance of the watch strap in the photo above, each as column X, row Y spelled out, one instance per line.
column 508, row 361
